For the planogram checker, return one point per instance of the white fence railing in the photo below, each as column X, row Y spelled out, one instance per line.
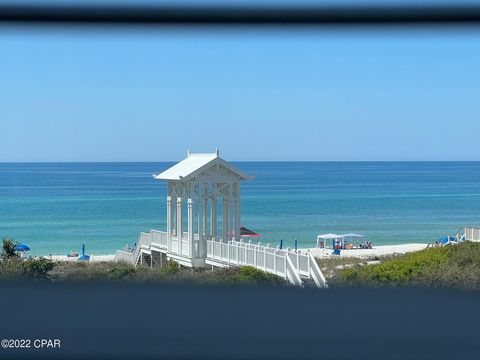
column 288, row 264
column 159, row 237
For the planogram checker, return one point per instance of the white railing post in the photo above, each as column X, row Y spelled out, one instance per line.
column 229, row 245
column 238, row 253
column 245, row 255
column 265, row 258
column 275, row 261
column 309, row 262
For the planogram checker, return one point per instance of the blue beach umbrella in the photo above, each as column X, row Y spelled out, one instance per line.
column 83, row 257
column 22, row 247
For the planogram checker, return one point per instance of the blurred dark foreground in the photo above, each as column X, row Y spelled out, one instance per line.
column 151, row 320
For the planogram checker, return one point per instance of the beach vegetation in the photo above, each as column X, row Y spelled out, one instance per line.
column 38, row 269
column 171, row 268
column 35, row 269
column 170, row 272
column 85, row 271
column 8, row 249
column 12, row 266
column 448, row 266
column 330, row 266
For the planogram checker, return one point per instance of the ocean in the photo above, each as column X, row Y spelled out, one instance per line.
column 55, row 207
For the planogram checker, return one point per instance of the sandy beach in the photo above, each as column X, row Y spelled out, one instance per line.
column 93, row 258
column 382, row 250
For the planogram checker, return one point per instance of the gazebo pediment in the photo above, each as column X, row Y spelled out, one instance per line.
column 215, row 173
column 204, row 166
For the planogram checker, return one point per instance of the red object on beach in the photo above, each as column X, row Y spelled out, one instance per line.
column 246, row 232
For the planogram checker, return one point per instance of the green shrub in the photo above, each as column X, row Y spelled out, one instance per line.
column 121, row 271
column 171, row 268
column 8, row 251
column 38, row 269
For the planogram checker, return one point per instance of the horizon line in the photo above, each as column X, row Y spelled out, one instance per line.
column 259, row 161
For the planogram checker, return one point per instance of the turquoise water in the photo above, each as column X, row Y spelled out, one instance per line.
column 54, row 207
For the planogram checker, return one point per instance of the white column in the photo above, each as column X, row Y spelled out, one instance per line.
column 237, row 211
column 205, row 211
column 213, row 217
column 225, row 220
column 191, row 243
column 230, row 219
column 179, row 224
column 200, row 212
column 202, row 221
column 169, row 223
column 231, row 211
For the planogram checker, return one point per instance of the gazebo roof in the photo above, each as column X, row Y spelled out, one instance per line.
column 195, row 164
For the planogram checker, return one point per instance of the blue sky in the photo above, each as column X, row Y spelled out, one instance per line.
column 148, row 95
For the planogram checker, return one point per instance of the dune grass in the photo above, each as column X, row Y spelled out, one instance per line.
column 245, row 275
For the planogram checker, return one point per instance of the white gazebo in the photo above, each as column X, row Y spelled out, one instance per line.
column 203, row 203
column 203, row 226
